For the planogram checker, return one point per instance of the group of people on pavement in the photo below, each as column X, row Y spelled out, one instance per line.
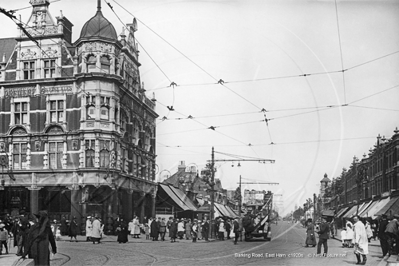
column 178, row 229
column 388, row 234
column 357, row 232
column 32, row 236
column 95, row 230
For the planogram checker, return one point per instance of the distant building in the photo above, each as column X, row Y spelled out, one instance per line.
column 188, row 180
column 371, row 180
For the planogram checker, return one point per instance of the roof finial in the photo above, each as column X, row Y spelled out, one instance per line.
column 98, row 5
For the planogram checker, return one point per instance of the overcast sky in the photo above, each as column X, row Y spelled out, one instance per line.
column 261, row 50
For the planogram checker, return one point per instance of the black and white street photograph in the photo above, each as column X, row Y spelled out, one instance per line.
column 199, row 132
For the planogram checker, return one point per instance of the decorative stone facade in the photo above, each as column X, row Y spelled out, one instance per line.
column 76, row 127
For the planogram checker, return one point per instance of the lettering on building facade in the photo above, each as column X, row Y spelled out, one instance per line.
column 31, row 91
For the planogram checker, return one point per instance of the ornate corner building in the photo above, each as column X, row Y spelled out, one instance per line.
column 77, row 133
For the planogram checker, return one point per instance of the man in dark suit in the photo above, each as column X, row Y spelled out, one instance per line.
column 323, row 236
column 205, row 229
column 236, row 230
column 383, row 236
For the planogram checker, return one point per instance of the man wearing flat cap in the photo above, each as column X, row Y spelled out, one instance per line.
column 323, row 236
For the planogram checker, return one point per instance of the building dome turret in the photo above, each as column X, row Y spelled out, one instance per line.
column 98, row 27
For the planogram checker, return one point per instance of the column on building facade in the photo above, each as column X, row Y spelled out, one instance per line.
column 75, row 207
column 34, row 201
column 142, row 206
column 153, row 200
column 128, row 207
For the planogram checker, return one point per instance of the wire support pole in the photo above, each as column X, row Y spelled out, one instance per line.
column 212, row 192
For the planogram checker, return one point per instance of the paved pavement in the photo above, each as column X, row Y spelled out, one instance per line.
column 286, row 248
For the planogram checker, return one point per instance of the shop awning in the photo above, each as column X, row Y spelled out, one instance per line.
column 388, row 207
column 394, row 209
column 184, row 203
column 341, row 212
column 328, row 213
column 189, row 203
column 222, row 210
column 351, row 212
column 365, row 212
column 364, row 206
column 231, row 211
column 377, row 207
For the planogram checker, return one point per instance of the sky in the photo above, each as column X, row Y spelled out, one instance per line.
column 285, row 57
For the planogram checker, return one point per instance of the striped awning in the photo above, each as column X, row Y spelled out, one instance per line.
column 341, row 212
column 386, row 209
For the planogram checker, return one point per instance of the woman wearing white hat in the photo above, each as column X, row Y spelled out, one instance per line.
column 89, row 228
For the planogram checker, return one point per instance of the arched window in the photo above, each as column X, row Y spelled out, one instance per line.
column 90, row 154
column 90, row 107
column 91, row 63
column 104, row 158
column 124, row 120
column 104, row 153
column 105, row 64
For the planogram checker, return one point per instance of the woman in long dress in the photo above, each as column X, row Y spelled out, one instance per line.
column 310, row 236
column 130, row 228
column 349, row 234
column 360, row 240
column 136, row 227
column 122, row 232
column 173, row 231
column 39, row 238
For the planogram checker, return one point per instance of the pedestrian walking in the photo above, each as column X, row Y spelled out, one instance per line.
column 382, row 236
column 228, row 228
column 194, row 231
column 89, row 228
column 130, row 228
column 149, row 225
column 168, row 223
column 374, row 227
column 154, row 230
column 122, row 232
column 38, row 240
column 323, row 236
column 392, row 234
column 173, row 231
column 147, row 231
column 310, row 235
column 349, row 234
column 361, row 241
column 369, row 232
column 236, row 230
column 199, row 224
column 188, row 229
column 73, row 229
column 96, row 230
column 136, row 227
column 24, row 227
column 205, row 229
column 64, row 226
column 3, row 238
column 162, row 229
column 222, row 229
column 180, row 229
